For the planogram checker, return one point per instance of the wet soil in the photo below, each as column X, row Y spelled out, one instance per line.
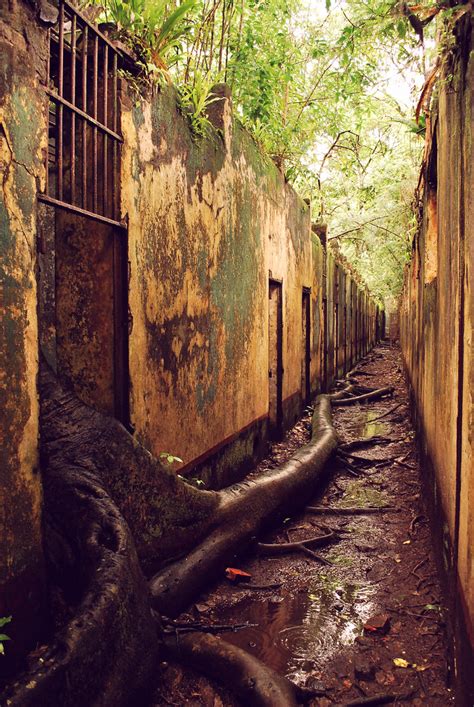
column 381, row 571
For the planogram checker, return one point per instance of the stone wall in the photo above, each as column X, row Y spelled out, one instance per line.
column 210, row 224
column 436, row 323
column 23, row 139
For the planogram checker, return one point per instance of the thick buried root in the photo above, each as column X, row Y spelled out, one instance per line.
column 109, row 648
column 247, row 677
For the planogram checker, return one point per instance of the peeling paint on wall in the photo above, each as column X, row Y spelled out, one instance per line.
column 22, row 148
column 436, row 319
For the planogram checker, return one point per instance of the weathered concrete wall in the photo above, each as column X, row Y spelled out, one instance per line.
column 436, row 333
column 22, row 147
column 210, row 223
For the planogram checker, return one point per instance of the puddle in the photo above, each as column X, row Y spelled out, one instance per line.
column 297, row 634
column 358, row 493
column 364, row 427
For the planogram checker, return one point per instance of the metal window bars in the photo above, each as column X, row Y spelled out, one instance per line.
column 83, row 161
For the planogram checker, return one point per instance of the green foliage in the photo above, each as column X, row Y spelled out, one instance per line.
column 3, row 637
column 170, row 459
column 151, row 29
column 195, row 99
column 318, row 86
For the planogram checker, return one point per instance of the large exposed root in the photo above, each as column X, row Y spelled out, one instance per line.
column 108, row 644
column 247, row 677
column 243, row 511
column 165, row 514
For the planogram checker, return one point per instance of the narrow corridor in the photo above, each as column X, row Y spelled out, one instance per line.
column 367, row 619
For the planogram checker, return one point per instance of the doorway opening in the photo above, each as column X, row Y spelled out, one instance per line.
column 306, row 346
column 275, row 359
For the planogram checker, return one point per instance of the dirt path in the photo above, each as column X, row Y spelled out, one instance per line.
column 381, row 572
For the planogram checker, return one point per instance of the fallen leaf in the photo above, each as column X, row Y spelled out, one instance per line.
column 401, row 663
column 378, row 624
column 236, row 575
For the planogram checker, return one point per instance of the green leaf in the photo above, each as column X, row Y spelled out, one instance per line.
column 5, row 620
column 4, row 637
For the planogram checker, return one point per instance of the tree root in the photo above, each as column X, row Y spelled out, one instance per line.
column 247, row 677
column 325, row 510
column 243, row 510
column 108, row 650
column 295, row 546
column 370, row 441
column 373, row 395
column 109, row 647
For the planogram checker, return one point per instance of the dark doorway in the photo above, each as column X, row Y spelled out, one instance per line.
column 306, row 346
column 275, row 358
column 84, row 309
column 336, row 321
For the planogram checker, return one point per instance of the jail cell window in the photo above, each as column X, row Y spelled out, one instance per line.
column 83, row 142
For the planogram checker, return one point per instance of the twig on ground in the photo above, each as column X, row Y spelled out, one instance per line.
column 315, row 555
column 180, row 627
column 347, row 511
column 377, row 439
column 275, row 585
column 379, row 417
column 418, row 566
column 375, row 700
column 415, row 520
column 373, row 395
column 402, row 463
column 296, row 546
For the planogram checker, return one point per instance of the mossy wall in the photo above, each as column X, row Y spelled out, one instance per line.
column 23, row 139
column 209, row 223
column 436, row 324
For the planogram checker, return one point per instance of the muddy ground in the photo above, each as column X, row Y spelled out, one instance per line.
column 380, row 574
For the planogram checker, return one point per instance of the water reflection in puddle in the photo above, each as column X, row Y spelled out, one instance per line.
column 364, row 427
column 297, row 634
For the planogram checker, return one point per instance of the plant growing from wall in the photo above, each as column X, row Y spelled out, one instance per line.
column 150, row 29
column 3, row 636
column 195, row 99
column 170, row 459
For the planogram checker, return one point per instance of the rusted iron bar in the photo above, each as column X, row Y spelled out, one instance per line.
column 94, row 129
column 87, row 25
column 59, row 139
column 115, row 209
column 73, row 101
column 85, row 40
column 105, row 170
column 48, row 71
column 51, row 201
column 95, row 123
